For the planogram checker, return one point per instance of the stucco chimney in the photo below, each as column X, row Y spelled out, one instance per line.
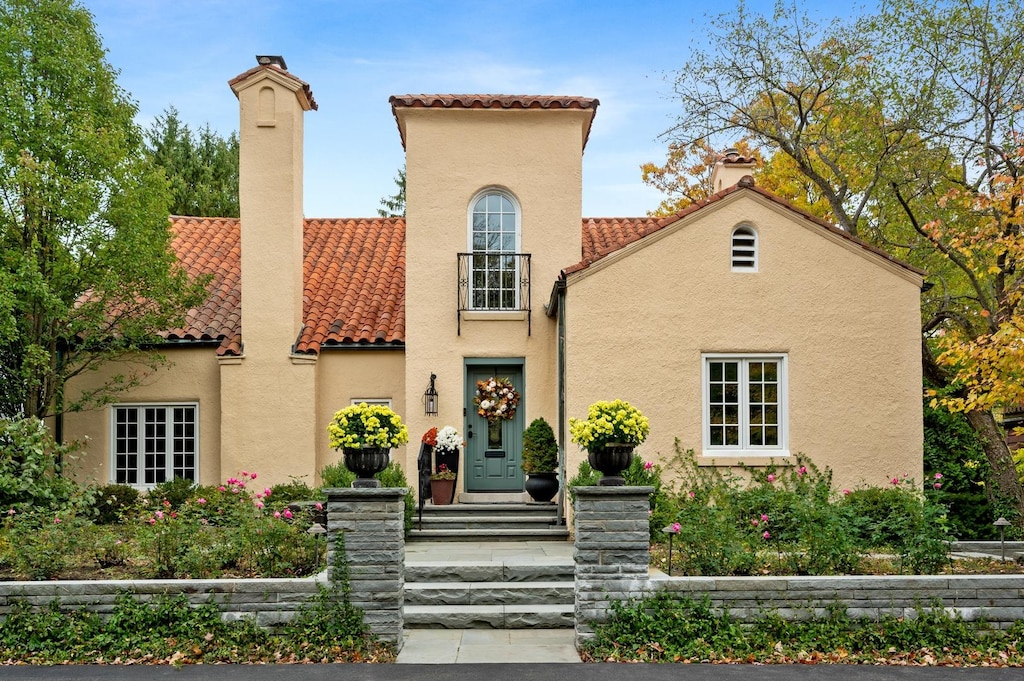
column 271, row 106
column 730, row 169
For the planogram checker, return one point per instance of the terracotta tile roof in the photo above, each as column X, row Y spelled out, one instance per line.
column 211, row 246
column 354, row 269
column 354, row 273
column 493, row 102
column 355, row 283
column 602, row 236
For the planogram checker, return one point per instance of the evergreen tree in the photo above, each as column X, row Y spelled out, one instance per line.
column 202, row 167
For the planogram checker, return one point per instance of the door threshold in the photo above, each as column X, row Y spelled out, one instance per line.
column 493, row 497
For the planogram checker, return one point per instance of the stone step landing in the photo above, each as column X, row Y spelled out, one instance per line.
column 489, row 522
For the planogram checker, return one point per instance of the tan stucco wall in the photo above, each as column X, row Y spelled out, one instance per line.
column 638, row 322
column 451, row 155
column 195, row 376
column 191, row 377
column 268, row 394
column 347, row 375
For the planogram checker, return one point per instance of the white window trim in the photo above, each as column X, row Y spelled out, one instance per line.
column 371, row 401
column 469, row 244
column 112, row 430
column 780, row 450
column 753, row 267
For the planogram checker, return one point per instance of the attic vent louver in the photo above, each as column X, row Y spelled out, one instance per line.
column 271, row 60
column 744, row 249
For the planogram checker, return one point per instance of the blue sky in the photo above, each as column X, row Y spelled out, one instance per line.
column 357, row 53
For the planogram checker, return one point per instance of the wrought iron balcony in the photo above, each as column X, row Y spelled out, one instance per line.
column 494, row 282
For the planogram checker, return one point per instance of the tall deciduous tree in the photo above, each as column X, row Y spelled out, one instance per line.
column 202, row 167
column 905, row 122
column 86, row 272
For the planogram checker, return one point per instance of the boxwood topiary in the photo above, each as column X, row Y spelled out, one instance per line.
column 540, row 449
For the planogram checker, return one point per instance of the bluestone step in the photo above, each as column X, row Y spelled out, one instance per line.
column 489, row 593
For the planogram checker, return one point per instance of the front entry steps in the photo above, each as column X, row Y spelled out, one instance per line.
column 490, row 522
column 521, row 585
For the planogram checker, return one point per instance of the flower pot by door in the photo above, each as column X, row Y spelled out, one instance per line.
column 366, row 463
column 441, row 492
column 449, row 458
column 611, row 460
column 542, row 486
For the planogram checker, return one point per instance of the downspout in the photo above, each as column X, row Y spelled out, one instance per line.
column 559, row 292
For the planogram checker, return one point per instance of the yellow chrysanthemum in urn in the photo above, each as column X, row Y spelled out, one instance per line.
column 363, row 425
column 609, row 422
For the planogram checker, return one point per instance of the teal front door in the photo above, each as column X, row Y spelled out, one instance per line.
column 493, row 450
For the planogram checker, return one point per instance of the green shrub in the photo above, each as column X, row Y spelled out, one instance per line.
column 336, row 475
column 540, row 448
column 393, row 476
column 708, row 542
column 295, row 489
column 30, row 478
column 116, row 503
column 883, row 514
column 953, row 449
column 40, row 544
column 175, row 492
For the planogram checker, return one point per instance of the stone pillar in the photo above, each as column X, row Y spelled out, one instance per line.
column 612, row 551
column 370, row 522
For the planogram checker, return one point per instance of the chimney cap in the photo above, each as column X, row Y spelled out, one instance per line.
column 271, row 60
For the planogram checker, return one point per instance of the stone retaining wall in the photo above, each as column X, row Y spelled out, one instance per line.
column 612, row 538
column 997, row 599
column 272, row 602
column 369, row 522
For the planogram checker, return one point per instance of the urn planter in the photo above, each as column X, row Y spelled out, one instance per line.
column 611, row 460
column 542, row 486
column 366, row 463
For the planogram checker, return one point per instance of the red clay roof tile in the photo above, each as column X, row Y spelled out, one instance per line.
column 493, row 102
column 354, row 273
column 602, row 236
column 354, row 292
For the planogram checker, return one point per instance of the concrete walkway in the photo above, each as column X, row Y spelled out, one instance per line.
column 518, row 646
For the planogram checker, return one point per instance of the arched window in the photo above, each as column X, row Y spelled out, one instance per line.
column 744, row 249
column 494, row 245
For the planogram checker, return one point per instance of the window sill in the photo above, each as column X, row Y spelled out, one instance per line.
column 494, row 315
column 747, row 458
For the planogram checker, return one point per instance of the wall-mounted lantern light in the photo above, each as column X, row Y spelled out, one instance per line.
column 430, row 398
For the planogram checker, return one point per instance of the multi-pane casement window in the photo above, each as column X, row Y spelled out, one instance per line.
column 745, row 406
column 155, row 443
column 744, row 249
column 494, row 242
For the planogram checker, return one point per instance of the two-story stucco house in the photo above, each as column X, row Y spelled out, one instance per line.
column 741, row 326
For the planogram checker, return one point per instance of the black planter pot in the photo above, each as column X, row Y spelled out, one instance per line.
column 611, row 460
column 542, row 486
column 366, row 463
